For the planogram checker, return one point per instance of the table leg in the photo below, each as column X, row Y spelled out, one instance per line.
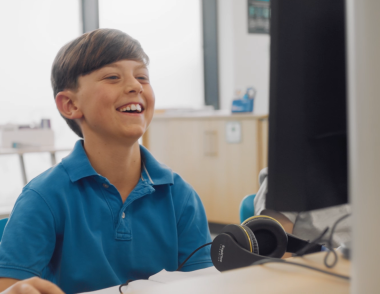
column 53, row 158
column 23, row 172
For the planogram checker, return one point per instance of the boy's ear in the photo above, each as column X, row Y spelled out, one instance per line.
column 67, row 106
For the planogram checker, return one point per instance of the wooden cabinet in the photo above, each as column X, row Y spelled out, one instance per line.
column 196, row 147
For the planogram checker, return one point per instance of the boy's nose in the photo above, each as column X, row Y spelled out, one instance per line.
column 133, row 86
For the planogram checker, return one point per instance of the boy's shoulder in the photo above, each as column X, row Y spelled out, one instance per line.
column 179, row 184
column 72, row 168
column 61, row 176
column 52, row 180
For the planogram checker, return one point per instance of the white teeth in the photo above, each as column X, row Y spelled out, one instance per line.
column 131, row 107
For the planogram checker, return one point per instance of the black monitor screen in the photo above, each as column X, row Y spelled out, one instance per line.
column 307, row 166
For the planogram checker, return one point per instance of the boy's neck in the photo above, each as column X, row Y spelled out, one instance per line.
column 119, row 163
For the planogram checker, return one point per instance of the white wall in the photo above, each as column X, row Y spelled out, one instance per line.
column 243, row 57
column 170, row 32
column 32, row 32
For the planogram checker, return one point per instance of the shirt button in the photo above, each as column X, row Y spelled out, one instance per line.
column 123, row 215
column 105, row 186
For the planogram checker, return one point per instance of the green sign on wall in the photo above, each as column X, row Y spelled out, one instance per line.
column 258, row 16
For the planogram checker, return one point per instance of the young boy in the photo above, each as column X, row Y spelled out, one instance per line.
column 109, row 212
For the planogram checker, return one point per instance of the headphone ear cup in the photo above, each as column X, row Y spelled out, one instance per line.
column 255, row 245
column 270, row 235
column 243, row 236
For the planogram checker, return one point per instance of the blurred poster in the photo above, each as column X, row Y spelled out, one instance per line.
column 258, row 16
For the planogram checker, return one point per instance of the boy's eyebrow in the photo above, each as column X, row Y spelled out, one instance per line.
column 142, row 66
column 117, row 65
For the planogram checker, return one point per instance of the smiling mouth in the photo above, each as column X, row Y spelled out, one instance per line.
column 131, row 108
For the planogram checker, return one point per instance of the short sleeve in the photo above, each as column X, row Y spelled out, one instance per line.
column 29, row 238
column 193, row 232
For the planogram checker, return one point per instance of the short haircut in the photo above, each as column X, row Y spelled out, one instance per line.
column 90, row 52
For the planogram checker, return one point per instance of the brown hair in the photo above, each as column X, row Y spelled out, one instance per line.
column 90, row 52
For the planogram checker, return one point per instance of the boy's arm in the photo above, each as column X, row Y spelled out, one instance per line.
column 29, row 238
column 30, row 286
column 5, row 283
column 193, row 232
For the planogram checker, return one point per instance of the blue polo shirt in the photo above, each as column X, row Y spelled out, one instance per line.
column 70, row 226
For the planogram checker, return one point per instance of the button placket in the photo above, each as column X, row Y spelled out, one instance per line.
column 123, row 230
column 112, row 198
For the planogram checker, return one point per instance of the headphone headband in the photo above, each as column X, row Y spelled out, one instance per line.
column 261, row 216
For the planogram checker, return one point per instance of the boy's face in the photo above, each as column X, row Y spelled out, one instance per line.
column 117, row 101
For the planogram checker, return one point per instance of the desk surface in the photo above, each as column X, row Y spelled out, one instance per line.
column 272, row 278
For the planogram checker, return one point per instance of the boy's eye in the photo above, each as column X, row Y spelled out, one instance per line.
column 112, row 77
column 142, row 78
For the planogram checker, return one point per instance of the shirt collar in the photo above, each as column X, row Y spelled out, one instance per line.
column 154, row 172
column 78, row 166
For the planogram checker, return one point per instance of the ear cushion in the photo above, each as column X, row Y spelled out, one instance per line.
column 255, row 245
column 243, row 236
column 270, row 235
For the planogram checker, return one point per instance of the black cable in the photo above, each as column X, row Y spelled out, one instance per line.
column 301, row 252
column 263, row 261
column 317, row 240
column 125, row 284
column 329, row 243
column 183, row 263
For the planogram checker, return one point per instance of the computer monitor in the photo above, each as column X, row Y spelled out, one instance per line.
column 307, row 166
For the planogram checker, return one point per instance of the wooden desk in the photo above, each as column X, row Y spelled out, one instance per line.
column 272, row 278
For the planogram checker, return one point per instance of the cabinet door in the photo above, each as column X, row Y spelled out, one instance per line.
column 180, row 144
column 263, row 146
column 222, row 173
column 234, row 170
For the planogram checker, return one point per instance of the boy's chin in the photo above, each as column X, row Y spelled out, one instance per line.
column 126, row 136
column 124, row 139
column 132, row 135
